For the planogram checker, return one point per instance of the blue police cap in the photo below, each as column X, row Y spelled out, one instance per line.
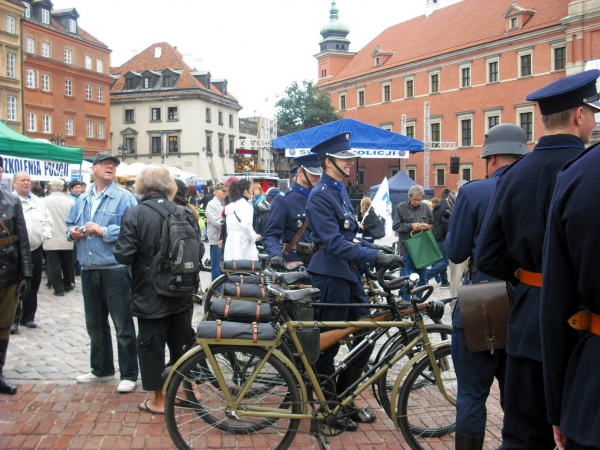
column 336, row 146
column 309, row 163
column 567, row 93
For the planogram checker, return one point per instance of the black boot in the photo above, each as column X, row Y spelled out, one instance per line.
column 465, row 442
column 5, row 386
column 345, row 380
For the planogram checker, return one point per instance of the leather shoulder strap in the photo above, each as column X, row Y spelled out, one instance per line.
column 290, row 246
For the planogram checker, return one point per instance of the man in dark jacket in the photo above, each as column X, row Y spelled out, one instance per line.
column 441, row 216
column 16, row 270
column 262, row 211
column 161, row 320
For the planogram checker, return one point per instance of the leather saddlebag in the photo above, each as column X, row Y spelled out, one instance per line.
column 234, row 330
column 240, row 310
column 484, row 309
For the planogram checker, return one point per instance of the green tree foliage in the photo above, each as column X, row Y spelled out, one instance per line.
column 303, row 107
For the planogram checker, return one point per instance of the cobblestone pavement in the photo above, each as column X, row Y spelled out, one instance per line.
column 52, row 411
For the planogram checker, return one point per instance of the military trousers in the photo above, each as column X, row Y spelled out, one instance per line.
column 8, row 307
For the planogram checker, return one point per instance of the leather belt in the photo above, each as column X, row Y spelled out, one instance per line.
column 530, row 278
column 585, row 320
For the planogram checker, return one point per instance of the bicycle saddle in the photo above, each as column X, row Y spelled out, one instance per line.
column 293, row 295
column 290, row 277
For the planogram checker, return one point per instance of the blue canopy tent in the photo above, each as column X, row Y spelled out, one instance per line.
column 368, row 141
column 398, row 186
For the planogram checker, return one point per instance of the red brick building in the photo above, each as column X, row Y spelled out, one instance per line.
column 473, row 62
column 66, row 83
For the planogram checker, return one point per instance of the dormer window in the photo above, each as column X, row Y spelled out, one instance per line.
column 514, row 22
column 27, row 12
column 130, row 83
column 146, row 82
column 168, row 81
column 72, row 26
column 46, row 16
column 377, row 61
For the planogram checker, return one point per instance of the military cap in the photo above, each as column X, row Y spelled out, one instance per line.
column 309, row 163
column 336, row 147
column 105, row 155
column 567, row 93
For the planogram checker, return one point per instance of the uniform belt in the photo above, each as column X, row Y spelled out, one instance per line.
column 530, row 278
column 9, row 240
column 586, row 320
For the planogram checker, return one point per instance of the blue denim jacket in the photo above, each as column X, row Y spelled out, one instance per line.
column 94, row 252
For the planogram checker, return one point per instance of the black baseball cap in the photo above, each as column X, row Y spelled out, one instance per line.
column 105, row 155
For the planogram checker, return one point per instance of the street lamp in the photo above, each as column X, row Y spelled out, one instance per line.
column 58, row 139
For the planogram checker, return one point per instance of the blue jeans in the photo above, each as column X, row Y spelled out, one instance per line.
column 216, row 254
column 410, row 268
column 107, row 291
column 438, row 267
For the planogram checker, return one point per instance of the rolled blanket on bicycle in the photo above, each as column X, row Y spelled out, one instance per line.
column 247, row 279
column 244, row 290
column 220, row 330
column 242, row 264
column 240, row 310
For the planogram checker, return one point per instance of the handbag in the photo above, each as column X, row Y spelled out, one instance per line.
column 484, row 309
column 423, row 249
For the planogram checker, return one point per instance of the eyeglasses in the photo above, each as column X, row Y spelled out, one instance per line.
column 108, row 162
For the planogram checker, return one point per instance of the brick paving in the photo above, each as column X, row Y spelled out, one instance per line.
column 52, row 411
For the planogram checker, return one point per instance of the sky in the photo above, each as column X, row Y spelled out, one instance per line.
column 259, row 46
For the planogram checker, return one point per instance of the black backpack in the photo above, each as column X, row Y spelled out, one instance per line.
column 175, row 268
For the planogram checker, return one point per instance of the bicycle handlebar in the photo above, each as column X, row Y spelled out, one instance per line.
column 420, row 289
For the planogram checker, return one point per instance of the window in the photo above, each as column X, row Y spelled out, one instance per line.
column 560, row 58
column 493, row 72
column 156, row 144
column 231, row 146
column 130, row 144
column 167, row 81
column 410, row 131
column 440, row 175
column 361, row 98
column 47, row 124
column 377, row 61
column 410, row 88
column 172, row 113
column 387, row 92
column 466, row 132
column 72, row 26
column 434, row 83
column 492, row 121
column 31, row 122
column 69, row 87
column 343, row 102
column 100, row 130
column 46, row 16
column 412, row 173
column 11, row 108
column 514, row 22
column 146, row 82
column 394, row 171
column 68, row 56
column 90, row 128
column 465, row 172
column 45, row 82
column 46, row 49
column 154, row 114
column 526, row 122
column 27, row 12
column 11, row 24
column 30, row 45
column 220, row 117
column 100, row 94
column 89, row 89
column 11, row 61
column 99, row 65
column 360, row 174
column 88, row 62
column 525, row 65
column 69, row 126
column 436, row 134
column 173, row 144
column 208, row 115
column 129, row 116
column 231, row 120
column 221, row 145
column 32, row 79
column 209, row 144
column 465, row 76
column 129, row 83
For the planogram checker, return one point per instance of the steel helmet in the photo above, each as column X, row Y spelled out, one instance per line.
column 505, row 139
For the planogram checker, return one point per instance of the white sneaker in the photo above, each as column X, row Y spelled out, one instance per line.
column 126, row 386
column 91, row 378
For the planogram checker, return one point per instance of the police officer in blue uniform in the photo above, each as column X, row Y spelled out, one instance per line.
column 511, row 243
column 334, row 267
column 476, row 370
column 571, row 284
column 288, row 213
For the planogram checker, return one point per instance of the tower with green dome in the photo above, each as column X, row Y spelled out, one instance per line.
column 334, row 33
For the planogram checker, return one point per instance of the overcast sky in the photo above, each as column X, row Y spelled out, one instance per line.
column 259, row 46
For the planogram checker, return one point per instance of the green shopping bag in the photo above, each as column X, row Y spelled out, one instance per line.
column 423, row 249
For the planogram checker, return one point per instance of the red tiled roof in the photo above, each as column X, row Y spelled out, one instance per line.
column 458, row 26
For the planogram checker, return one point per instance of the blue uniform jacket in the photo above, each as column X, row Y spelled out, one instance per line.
column 465, row 225
column 335, row 226
column 288, row 213
column 571, row 284
column 512, row 236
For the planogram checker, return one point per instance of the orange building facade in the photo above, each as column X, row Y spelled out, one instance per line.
column 470, row 65
column 66, row 81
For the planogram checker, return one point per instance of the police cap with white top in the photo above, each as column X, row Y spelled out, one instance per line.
column 337, row 147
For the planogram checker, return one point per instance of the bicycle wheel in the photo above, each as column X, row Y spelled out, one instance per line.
column 214, row 290
column 383, row 388
column 196, row 412
column 425, row 416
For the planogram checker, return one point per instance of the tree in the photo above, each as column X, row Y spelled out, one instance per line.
column 303, row 107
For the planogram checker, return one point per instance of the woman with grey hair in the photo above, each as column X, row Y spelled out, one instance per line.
column 161, row 320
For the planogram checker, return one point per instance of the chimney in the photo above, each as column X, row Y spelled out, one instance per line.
column 431, row 6
column 157, row 52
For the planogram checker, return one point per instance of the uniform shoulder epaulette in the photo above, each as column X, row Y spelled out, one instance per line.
column 284, row 193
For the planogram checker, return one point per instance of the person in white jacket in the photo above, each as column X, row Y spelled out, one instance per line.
column 241, row 238
column 39, row 227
